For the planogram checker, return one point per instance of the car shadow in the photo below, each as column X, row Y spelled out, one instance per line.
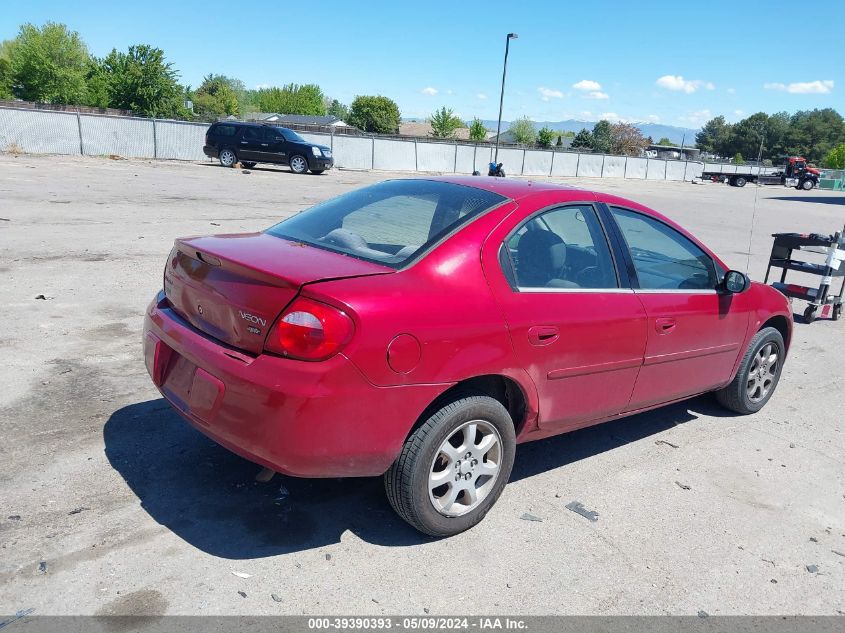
column 275, row 169
column 208, row 496
column 818, row 199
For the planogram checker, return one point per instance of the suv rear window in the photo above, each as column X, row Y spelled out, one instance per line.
column 223, row 130
column 388, row 223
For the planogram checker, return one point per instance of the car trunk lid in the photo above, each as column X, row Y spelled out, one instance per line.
column 233, row 287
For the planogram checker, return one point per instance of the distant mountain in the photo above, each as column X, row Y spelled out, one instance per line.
column 655, row 130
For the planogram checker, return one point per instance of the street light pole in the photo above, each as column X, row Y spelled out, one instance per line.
column 511, row 36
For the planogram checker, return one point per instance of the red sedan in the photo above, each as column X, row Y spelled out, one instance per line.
column 421, row 328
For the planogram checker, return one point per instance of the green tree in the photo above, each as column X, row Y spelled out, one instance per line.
column 292, row 99
column 336, row 109
column 545, row 137
column 444, row 123
column 813, row 133
column 738, row 159
column 6, row 80
column 374, row 114
column 142, row 81
column 835, row 158
column 49, row 64
column 215, row 97
column 664, row 141
column 583, row 140
column 477, row 131
column 627, row 139
column 601, row 136
column 523, row 132
column 714, row 137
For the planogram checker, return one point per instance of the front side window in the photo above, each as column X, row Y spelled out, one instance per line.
column 663, row 258
column 253, row 134
column 292, row 136
column 388, row 223
column 561, row 248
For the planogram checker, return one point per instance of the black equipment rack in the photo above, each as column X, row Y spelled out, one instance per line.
column 821, row 301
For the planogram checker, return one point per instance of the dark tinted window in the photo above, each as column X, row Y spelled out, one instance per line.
column 224, row 130
column 253, row 134
column 663, row 258
column 390, row 222
column 291, row 135
column 562, row 248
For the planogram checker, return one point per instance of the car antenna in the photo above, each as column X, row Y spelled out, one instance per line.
column 754, row 212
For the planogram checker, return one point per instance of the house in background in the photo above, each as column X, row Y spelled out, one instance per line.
column 422, row 129
column 507, row 137
column 294, row 119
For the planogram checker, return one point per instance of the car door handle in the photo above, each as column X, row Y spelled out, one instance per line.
column 542, row 334
column 664, row 325
column 264, row 145
column 244, row 142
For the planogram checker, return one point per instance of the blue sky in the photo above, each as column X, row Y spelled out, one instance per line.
column 667, row 62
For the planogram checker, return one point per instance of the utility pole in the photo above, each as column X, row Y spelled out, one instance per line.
column 511, row 36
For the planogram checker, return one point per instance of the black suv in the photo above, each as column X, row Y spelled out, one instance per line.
column 251, row 143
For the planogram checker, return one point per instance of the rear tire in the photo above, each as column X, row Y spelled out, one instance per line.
column 740, row 181
column 453, row 467
column 298, row 164
column 758, row 374
column 810, row 314
column 227, row 157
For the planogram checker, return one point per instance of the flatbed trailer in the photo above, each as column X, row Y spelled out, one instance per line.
column 796, row 173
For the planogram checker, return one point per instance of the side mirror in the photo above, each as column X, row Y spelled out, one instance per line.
column 735, row 282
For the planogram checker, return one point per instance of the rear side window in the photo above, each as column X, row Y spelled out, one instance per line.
column 390, row 222
column 223, row 130
column 663, row 258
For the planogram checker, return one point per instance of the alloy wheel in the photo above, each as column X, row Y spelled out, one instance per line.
column 298, row 164
column 465, row 468
column 763, row 372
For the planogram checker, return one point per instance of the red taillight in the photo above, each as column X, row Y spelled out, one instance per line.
column 310, row 330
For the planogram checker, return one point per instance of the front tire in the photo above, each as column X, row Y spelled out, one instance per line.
column 740, row 181
column 808, row 185
column 298, row 164
column 453, row 467
column 227, row 157
column 758, row 374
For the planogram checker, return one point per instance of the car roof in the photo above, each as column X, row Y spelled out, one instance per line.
column 515, row 189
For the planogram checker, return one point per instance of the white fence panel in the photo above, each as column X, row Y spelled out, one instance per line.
column 565, row 164
column 395, row 155
column 511, row 160
column 483, row 157
column 656, row 169
column 636, row 168
column 465, row 163
column 353, row 152
column 589, row 165
column 39, row 132
column 675, row 169
column 436, row 157
column 537, row 163
column 180, row 141
column 693, row 170
column 614, row 167
column 104, row 135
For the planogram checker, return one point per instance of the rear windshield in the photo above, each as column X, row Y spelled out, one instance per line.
column 388, row 223
column 223, row 130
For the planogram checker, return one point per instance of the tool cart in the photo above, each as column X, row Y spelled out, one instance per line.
column 822, row 301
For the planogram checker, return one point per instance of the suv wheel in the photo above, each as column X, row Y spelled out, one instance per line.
column 298, row 164
column 227, row 157
column 453, row 468
column 758, row 374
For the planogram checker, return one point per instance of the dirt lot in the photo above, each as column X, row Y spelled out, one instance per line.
column 110, row 504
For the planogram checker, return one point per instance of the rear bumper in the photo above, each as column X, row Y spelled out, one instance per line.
column 210, row 151
column 303, row 419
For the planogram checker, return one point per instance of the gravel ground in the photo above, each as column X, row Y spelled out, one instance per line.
column 112, row 505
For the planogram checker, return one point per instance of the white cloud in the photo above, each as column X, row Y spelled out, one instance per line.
column 731, row 91
column 587, row 85
column 679, row 84
column 549, row 93
column 429, row 90
column 819, row 87
column 261, row 86
column 739, row 112
column 653, row 118
column 481, row 96
column 610, row 116
column 448, row 92
column 596, row 94
column 698, row 117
